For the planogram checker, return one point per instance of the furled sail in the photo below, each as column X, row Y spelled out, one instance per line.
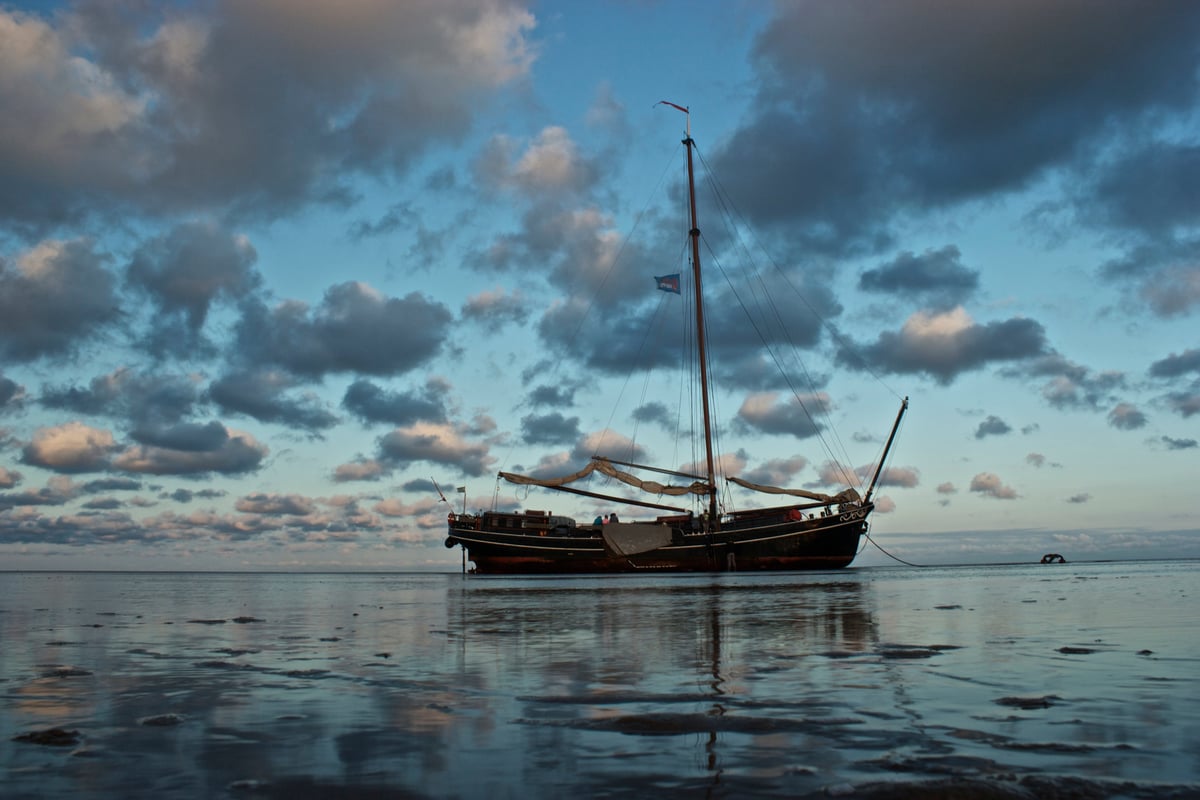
column 849, row 495
column 604, row 467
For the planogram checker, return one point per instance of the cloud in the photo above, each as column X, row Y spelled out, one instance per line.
column 71, row 448
column 937, row 276
column 551, row 429
column 1070, row 385
column 275, row 504
column 184, row 272
column 12, row 395
column 946, row 488
column 1171, row 443
column 58, row 491
column 551, row 162
column 844, row 137
column 53, row 298
column 776, row 471
column 989, row 485
column 1174, row 291
column 904, row 477
column 194, row 451
column 435, row 443
column 1126, row 417
column 764, row 412
column 992, row 426
column 609, row 444
column 260, row 393
column 110, row 485
column 371, row 403
column 1146, row 190
column 1175, row 365
column 344, row 332
column 128, row 395
column 361, row 469
column 1185, row 403
column 187, row 495
column 259, row 106
column 9, row 478
column 494, row 309
column 946, row 344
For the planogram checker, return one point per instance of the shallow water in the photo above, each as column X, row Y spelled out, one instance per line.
column 1078, row 679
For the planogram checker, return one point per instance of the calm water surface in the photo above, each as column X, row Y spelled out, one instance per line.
column 1021, row 680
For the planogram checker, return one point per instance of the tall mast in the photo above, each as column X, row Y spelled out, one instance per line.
column 701, row 338
column 887, row 447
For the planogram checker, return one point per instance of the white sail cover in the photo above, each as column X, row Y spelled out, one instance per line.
column 603, row 466
column 849, row 495
column 631, row 538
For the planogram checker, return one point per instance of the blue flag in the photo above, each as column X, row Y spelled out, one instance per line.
column 668, row 283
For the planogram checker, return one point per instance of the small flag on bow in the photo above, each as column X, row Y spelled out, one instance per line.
column 668, row 283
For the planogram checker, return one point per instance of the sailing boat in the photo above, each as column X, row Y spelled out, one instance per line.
column 821, row 532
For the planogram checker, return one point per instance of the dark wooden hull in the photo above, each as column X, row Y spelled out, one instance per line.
column 767, row 541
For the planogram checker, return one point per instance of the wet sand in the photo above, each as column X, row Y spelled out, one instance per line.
column 1007, row 682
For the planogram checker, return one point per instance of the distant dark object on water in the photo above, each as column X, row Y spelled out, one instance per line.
column 1053, row 558
column 54, row 737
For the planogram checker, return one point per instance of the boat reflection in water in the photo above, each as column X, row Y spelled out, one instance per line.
column 696, row 662
column 1018, row 681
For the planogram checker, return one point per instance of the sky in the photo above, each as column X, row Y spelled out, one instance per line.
column 272, row 274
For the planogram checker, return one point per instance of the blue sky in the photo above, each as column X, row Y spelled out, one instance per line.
column 269, row 270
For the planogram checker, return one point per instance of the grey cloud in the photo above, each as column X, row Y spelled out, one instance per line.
column 656, row 413
column 945, row 356
column 127, row 394
column 990, row 485
column 12, row 394
column 1149, row 191
column 184, row 272
column 275, row 504
column 777, row 471
column 111, row 485
column 187, row 495
column 189, row 437
column 992, row 426
column 262, row 394
column 493, row 310
column 436, row 445
column 1175, row 365
column 103, row 504
column 1070, row 385
column 551, row 429
column 918, row 104
column 1185, row 403
column 554, row 396
column 259, row 107
column 936, row 276
column 53, row 298
column 1126, row 417
column 206, row 452
column 344, row 333
column 371, row 404
column 790, row 415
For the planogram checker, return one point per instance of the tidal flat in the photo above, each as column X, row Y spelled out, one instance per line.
column 1015, row 681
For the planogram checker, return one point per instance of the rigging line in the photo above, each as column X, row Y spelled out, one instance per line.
column 628, row 376
column 840, row 460
column 846, row 344
column 848, row 477
column 894, row 558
